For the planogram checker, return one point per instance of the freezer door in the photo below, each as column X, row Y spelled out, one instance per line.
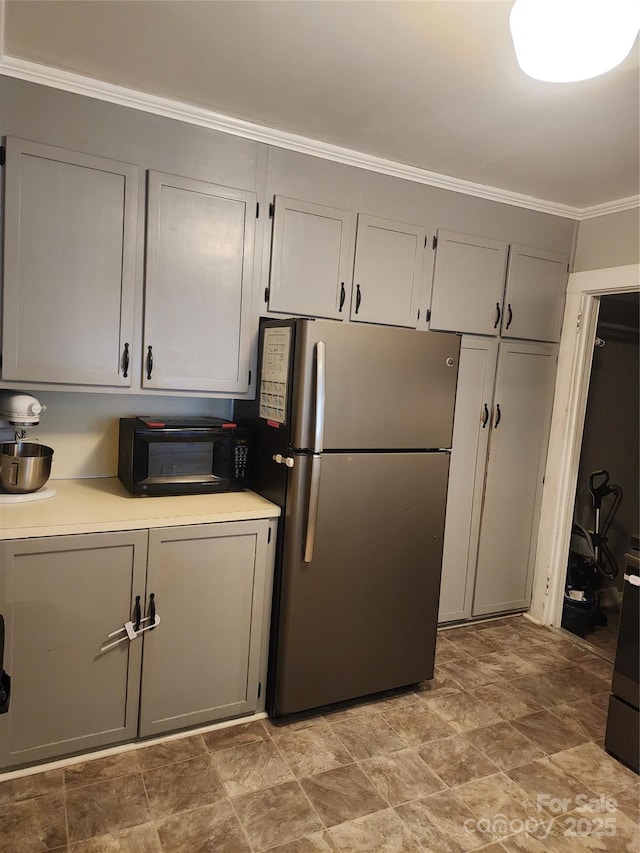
column 360, row 617
column 386, row 388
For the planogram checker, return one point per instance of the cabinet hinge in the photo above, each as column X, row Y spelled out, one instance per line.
column 434, row 244
column 257, row 209
column 266, row 294
column 259, row 688
column 271, row 210
column 579, row 323
column 428, row 315
column 2, row 155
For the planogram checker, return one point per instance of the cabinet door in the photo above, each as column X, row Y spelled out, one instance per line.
column 535, row 294
column 69, row 266
column 310, row 259
column 471, row 428
column 202, row 662
column 388, row 272
column 468, row 283
column 517, row 454
column 61, row 598
column 200, row 240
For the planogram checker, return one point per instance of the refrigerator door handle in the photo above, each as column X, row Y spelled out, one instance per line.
column 318, row 437
column 312, row 517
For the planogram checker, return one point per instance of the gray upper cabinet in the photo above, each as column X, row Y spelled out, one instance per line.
column 314, row 270
column 198, row 286
column 69, row 266
column 310, row 259
column 535, row 294
column 61, row 598
column 387, row 275
column 468, row 283
column 202, row 662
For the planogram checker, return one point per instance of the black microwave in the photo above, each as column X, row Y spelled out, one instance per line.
column 182, row 456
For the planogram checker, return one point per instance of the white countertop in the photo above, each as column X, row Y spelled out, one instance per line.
column 103, row 504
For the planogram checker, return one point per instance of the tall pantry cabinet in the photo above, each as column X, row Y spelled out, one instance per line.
column 512, row 296
column 503, row 410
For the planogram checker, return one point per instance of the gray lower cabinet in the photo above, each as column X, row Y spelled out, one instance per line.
column 202, row 661
column 69, row 266
column 63, row 596
column 500, row 435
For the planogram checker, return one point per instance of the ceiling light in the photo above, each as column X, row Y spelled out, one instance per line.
column 565, row 40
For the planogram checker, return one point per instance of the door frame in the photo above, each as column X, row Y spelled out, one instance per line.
column 575, row 356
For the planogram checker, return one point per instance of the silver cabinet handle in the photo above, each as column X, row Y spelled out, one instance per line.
column 312, row 518
column 318, row 438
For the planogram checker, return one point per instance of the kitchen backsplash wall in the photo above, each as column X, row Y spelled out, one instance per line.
column 82, row 428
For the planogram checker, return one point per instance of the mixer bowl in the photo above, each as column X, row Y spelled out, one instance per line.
column 24, row 466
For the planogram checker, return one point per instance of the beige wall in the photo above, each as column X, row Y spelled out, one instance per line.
column 608, row 241
column 82, row 428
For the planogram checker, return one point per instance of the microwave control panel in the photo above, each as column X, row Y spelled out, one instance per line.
column 240, row 458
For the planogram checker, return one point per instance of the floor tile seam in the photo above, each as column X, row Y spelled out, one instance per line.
column 240, row 746
column 572, row 776
column 430, row 769
column 528, row 799
column 152, row 816
column 312, row 806
column 291, row 770
column 58, row 790
column 66, row 814
column 496, row 680
column 555, row 711
column 70, row 788
column 414, row 837
column 244, row 832
column 485, row 754
column 546, row 754
column 413, row 745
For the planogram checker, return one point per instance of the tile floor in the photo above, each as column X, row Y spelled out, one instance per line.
column 502, row 752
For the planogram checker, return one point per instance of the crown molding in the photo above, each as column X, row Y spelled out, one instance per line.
column 67, row 81
column 619, row 206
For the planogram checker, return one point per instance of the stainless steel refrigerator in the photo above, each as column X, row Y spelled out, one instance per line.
column 352, row 428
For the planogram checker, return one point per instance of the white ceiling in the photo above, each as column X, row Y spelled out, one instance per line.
column 433, row 85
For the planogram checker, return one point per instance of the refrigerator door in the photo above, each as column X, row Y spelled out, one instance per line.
column 360, row 617
column 385, row 388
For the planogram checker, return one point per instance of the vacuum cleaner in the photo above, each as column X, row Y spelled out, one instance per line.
column 590, row 561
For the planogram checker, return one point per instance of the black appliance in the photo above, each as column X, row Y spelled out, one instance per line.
column 182, row 455
column 622, row 737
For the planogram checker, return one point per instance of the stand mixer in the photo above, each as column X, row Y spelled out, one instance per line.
column 24, row 466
